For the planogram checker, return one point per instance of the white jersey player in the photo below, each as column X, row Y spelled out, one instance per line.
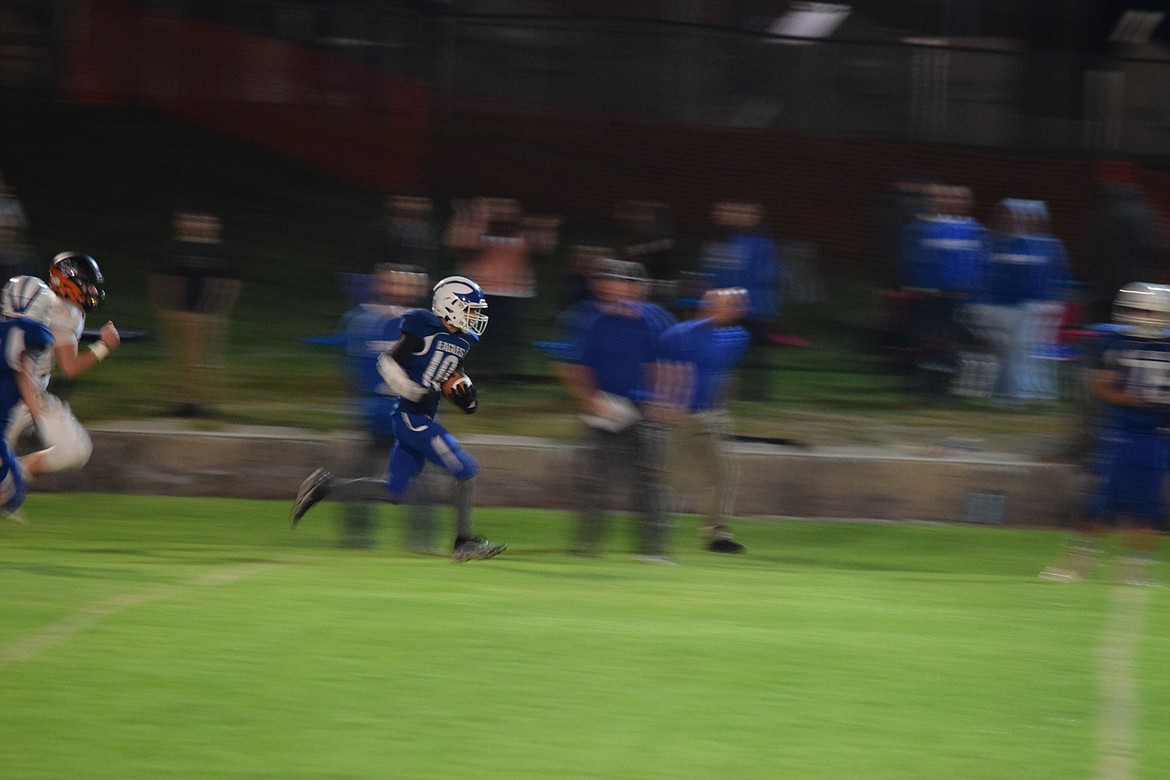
column 76, row 282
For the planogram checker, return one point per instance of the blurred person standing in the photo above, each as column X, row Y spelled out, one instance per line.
column 404, row 235
column 898, row 205
column 1022, row 279
column 1125, row 239
column 700, row 356
column 610, row 370
column 645, row 236
column 78, row 287
column 371, row 329
column 498, row 241
column 1047, row 311
column 194, row 293
column 947, row 260
column 1127, row 464
column 16, row 256
column 742, row 254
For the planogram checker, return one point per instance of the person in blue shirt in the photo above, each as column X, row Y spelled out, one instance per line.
column 700, row 357
column 1047, row 311
column 609, row 367
column 430, row 351
column 371, row 328
column 26, row 304
column 947, row 255
column 1023, row 278
column 1129, row 456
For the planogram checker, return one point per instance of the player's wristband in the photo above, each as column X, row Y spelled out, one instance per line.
column 99, row 350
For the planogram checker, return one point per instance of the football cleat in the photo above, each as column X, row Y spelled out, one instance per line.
column 314, row 488
column 725, row 545
column 476, row 548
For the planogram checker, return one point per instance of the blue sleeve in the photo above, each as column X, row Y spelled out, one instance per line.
column 418, row 322
column 37, row 337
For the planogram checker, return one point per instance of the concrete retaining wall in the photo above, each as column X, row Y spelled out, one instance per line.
column 841, row 483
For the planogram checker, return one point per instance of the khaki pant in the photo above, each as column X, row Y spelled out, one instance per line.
column 194, row 341
column 702, row 469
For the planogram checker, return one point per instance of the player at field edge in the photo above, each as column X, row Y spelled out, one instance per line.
column 1127, row 462
column 431, row 349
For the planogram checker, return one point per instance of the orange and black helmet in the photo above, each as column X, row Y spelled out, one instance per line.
column 77, row 278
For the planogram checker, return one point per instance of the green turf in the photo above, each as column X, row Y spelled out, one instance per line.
column 145, row 637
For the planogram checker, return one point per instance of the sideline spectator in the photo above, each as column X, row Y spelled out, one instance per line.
column 946, row 261
column 609, row 369
column 645, row 236
column 742, row 254
column 1022, row 281
column 700, row 356
column 1125, row 239
column 403, row 235
column 500, row 241
column 194, row 293
column 16, row 256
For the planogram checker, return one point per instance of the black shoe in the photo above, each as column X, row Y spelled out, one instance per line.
column 476, row 548
column 726, row 545
column 313, row 488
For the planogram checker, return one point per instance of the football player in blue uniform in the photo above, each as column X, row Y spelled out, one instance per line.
column 26, row 303
column 430, row 351
column 1128, row 460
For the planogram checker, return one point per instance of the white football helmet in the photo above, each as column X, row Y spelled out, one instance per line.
column 1145, row 308
column 27, row 296
column 459, row 302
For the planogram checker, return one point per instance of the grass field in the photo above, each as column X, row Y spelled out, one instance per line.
column 146, row 637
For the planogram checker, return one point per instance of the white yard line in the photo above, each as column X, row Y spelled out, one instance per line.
column 1117, row 737
column 71, row 625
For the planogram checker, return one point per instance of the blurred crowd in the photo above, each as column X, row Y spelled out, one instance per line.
column 994, row 310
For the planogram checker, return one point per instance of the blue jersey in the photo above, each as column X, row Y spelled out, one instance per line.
column 712, row 351
column 1143, row 368
column 620, row 343
column 1130, row 455
column 370, row 331
column 1025, row 268
column 750, row 261
column 18, row 337
column 440, row 355
column 947, row 254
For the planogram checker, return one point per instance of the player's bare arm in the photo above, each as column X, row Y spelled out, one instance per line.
column 74, row 361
